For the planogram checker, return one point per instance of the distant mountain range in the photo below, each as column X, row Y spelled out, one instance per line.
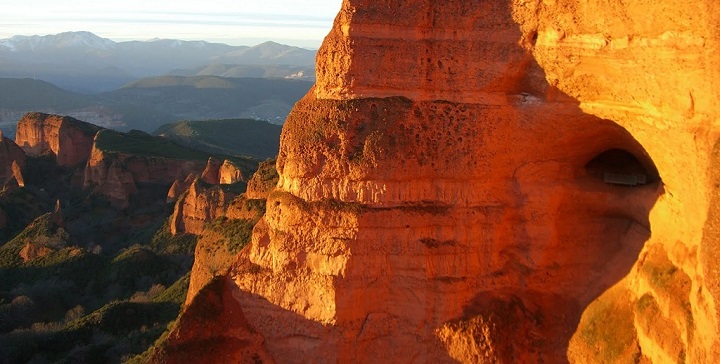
column 147, row 103
column 83, row 62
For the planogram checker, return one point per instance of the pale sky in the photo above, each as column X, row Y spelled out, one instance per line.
column 302, row 23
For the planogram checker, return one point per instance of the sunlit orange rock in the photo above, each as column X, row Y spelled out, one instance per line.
column 69, row 139
column 229, row 173
column 211, row 174
column 495, row 181
column 179, row 187
column 201, row 204
column 263, row 181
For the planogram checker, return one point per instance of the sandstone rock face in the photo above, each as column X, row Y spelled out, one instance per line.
column 201, row 204
column 116, row 175
column 219, row 245
column 222, row 239
column 69, row 139
column 179, row 187
column 455, row 188
column 17, row 173
column 229, row 173
column 10, row 155
column 213, row 330
column 211, row 174
column 263, row 181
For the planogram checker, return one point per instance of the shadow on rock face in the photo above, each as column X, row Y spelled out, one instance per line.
column 439, row 200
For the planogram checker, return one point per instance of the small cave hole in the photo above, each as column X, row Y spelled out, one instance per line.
column 622, row 168
column 533, row 37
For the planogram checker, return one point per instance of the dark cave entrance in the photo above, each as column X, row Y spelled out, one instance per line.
column 620, row 167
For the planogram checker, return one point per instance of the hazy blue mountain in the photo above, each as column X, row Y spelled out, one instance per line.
column 148, row 103
column 255, row 71
column 212, row 97
column 84, row 62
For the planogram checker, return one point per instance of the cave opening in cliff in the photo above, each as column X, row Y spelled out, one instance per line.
column 620, row 167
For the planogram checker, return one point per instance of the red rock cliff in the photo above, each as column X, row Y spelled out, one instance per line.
column 525, row 181
column 69, row 139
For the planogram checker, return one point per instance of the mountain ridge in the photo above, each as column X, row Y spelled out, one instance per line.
column 84, row 62
column 161, row 100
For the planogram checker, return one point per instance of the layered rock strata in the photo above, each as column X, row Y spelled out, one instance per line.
column 69, row 139
column 443, row 190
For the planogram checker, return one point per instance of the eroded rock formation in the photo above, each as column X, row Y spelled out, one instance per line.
column 179, row 187
column 211, row 174
column 69, row 139
column 263, row 181
column 12, row 159
column 230, row 173
column 222, row 239
column 452, row 190
column 214, row 331
column 201, row 204
column 116, row 175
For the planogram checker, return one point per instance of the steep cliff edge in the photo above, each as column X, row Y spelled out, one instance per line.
column 69, row 139
column 494, row 182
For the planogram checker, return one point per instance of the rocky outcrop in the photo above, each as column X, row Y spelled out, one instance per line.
column 225, row 172
column 213, row 195
column 179, row 187
column 447, row 191
column 48, row 236
column 263, row 181
column 220, row 243
column 230, row 173
column 222, row 236
column 116, row 174
column 211, row 174
column 201, row 204
column 213, row 330
column 12, row 159
column 68, row 139
column 215, row 173
column 17, row 173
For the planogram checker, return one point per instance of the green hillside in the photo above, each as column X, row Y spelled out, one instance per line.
column 240, row 137
column 142, row 144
